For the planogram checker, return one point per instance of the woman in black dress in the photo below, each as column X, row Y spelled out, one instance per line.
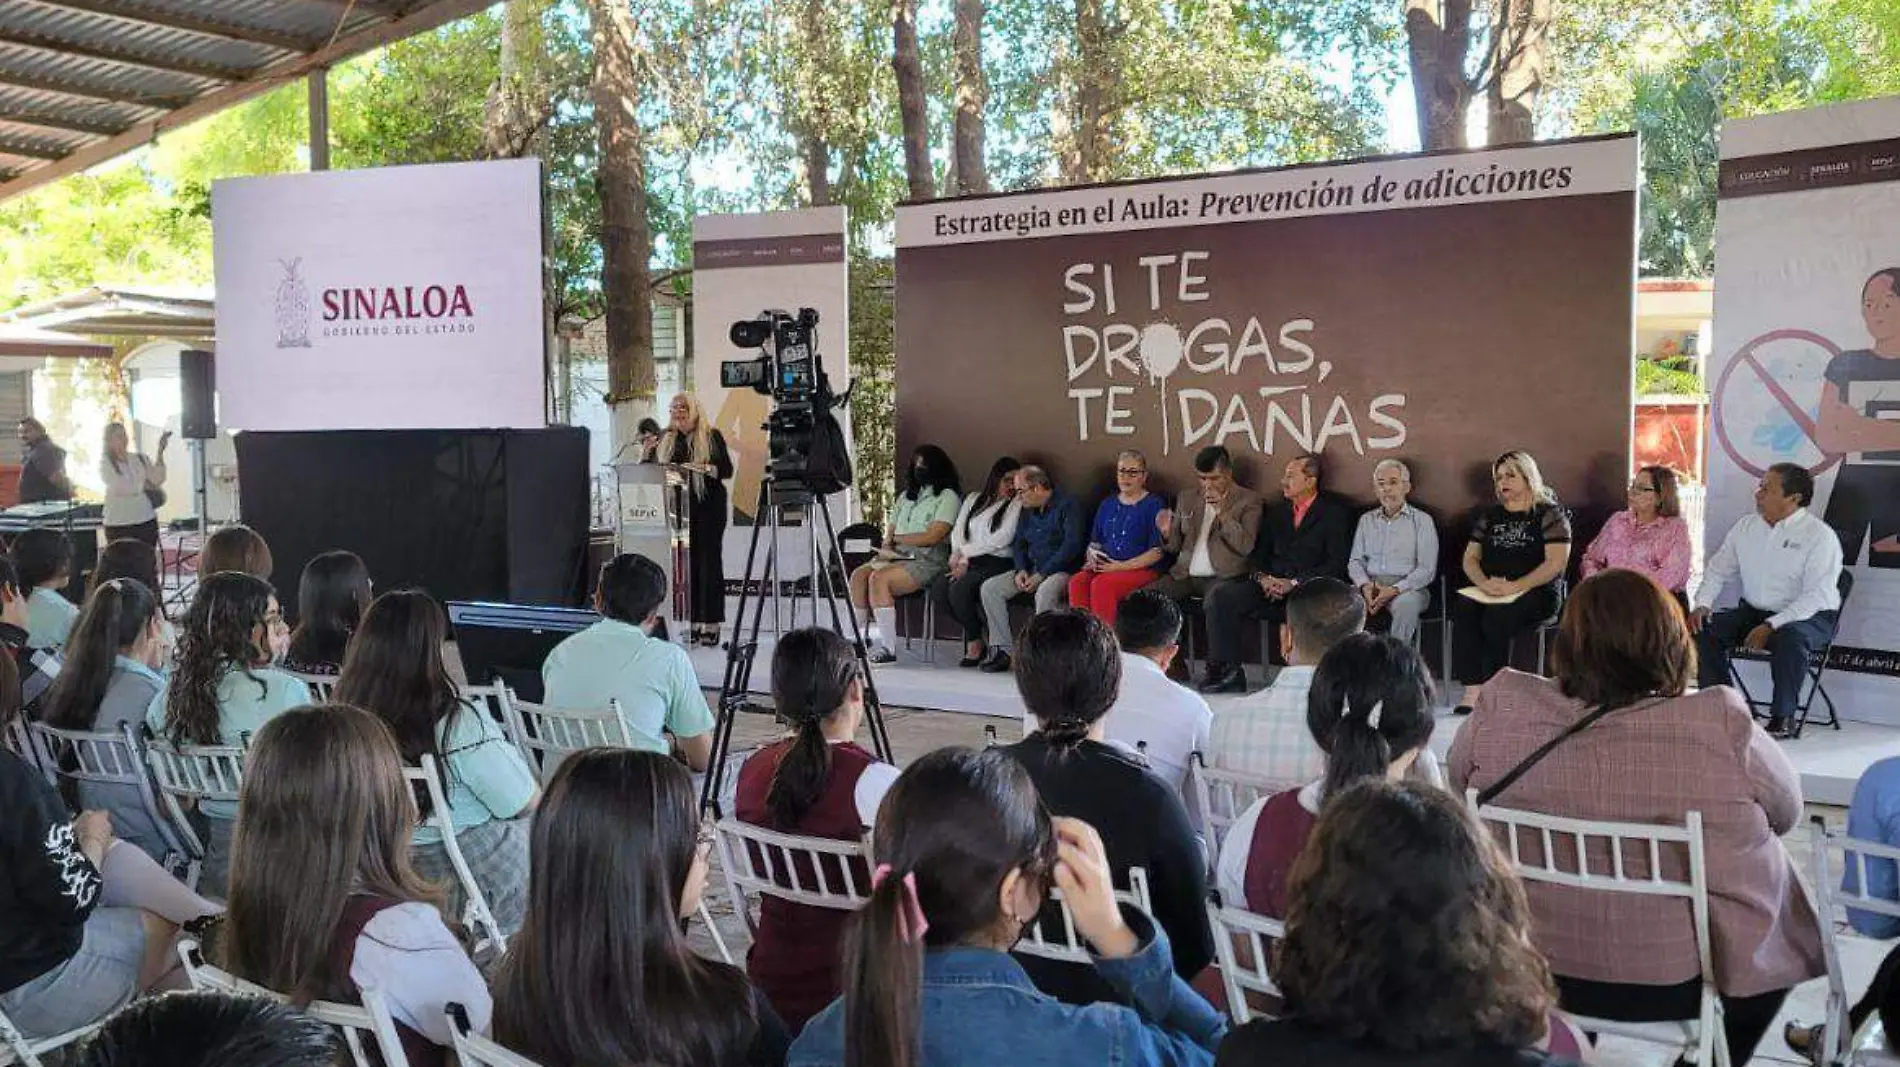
column 691, row 442
column 1517, row 555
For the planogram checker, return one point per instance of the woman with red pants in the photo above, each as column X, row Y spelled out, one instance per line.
column 1124, row 551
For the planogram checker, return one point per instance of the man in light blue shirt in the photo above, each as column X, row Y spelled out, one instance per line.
column 1394, row 554
column 1875, row 816
column 616, row 659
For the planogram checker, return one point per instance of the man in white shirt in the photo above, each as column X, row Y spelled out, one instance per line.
column 1166, row 721
column 1265, row 735
column 1394, row 554
column 1789, row 563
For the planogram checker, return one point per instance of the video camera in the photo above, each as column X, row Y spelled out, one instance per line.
column 806, row 445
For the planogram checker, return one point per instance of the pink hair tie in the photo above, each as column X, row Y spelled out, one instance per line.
column 911, row 924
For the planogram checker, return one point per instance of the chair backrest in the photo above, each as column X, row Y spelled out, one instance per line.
column 1243, row 948
column 477, row 1050
column 196, row 773
column 114, row 757
column 17, row 1048
column 492, row 699
column 1608, row 857
column 321, row 685
column 1223, row 796
column 1838, row 881
column 816, row 871
column 546, row 736
column 1068, row 947
column 476, row 910
column 361, row 1025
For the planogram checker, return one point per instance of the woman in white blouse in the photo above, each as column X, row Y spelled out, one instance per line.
column 131, row 482
column 980, row 545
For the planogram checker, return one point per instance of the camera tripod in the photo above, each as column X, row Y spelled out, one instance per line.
column 760, row 585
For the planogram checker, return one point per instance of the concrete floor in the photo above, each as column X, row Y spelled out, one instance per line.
column 914, row 732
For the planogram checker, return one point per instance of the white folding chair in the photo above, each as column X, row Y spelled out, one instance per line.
column 815, row 871
column 546, row 736
column 492, row 699
column 1069, row 947
column 1222, row 797
column 475, row 910
column 321, row 685
column 17, row 1048
column 114, row 758
column 1243, row 972
column 194, row 773
column 475, row 1050
column 361, row 1025
column 1834, row 855
column 1628, row 858
column 13, row 736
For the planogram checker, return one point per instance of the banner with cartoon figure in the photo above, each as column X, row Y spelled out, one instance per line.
column 1807, row 328
column 1439, row 309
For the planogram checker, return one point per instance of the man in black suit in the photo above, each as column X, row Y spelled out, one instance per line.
column 1308, row 534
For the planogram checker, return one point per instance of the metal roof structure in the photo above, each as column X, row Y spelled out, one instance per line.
column 122, row 311
column 82, row 81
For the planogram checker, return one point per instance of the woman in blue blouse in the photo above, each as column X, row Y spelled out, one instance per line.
column 1124, row 545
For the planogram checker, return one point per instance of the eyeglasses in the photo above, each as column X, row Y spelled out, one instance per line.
column 1639, row 487
column 1131, row 470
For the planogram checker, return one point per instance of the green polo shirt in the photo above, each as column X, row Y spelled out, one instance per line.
column 487, row 776
column 246, row 701
column 654, row 681
column 49, row 619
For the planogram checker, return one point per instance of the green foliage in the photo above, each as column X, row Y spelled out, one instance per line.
column 874, row 381
column 1668, row 377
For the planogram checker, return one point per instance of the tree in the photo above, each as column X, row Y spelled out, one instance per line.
column 908, row 65
column 972, row 94
column 1520, row 45
column 626, row 240
column 1438, row 37
column 520, row 101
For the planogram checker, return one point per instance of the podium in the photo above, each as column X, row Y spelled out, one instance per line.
column 652, row 520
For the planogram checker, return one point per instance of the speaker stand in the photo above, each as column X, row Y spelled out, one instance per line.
column 200, row 485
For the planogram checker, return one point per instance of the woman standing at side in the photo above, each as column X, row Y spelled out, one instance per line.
column 135, row 486
column 691, row 443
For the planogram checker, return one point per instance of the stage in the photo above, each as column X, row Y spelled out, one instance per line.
column 1829, row 761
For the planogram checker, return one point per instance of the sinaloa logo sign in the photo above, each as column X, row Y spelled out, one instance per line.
column 369, row 311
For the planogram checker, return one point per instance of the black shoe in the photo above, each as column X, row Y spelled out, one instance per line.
column 1226, row 680
column 879, row 654
column 974, row 661
column 1782, row 730
column 1462, row 709
column 997, row 662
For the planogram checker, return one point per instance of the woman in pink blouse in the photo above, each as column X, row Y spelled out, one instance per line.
column 1650, row 537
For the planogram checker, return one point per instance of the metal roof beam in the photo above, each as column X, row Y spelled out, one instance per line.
column 11, row 147
column 48, row 121
column 131, row 57
column 179, row 20
column 22, row 80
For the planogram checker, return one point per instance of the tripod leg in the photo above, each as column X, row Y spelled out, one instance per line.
column 873, row 708
column 738, row 675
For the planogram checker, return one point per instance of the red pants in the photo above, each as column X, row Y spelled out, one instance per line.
column 1102, row 593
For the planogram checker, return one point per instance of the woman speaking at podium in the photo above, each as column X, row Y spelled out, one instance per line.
column 134, row 487
column 699, row 451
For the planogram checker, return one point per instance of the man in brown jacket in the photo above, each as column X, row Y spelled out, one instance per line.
column 1211, row 531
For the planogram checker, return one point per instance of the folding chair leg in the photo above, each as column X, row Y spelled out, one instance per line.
column 712, row 931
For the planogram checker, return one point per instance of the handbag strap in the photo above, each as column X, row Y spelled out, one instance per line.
column 1490, row 793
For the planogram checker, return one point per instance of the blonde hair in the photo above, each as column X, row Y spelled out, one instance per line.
column 699, row 441
column 1526, row 467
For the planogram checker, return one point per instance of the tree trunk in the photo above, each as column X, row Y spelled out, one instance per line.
column 517, row 105
column 1520, row 42
column 1440, row 88
column 907, row 61
column 972, row 175
column 810, row 119
column 626, row 239
column 1097, row 79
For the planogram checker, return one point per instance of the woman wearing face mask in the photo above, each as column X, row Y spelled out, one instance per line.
column 916, row 546
column 964, row 854
column 222, row 688
column 698, row 450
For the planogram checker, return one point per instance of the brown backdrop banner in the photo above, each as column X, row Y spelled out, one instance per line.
column 1395, row 322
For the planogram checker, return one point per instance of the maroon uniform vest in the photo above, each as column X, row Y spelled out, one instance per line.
column 357, row 913
column 1278, row 837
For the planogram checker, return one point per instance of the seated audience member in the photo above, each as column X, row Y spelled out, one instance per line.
column 1165, row 721
column 916, row 546
column 1265, row 735
column 1407, row 942
column 1048, row 547
column 395, row 671
column 36, row 667
column 1212, row 529
column 223, row 689
column 1789, row 566
column 1649, row 537
column 616, row 659
column 1069, row 673
column 1633, row 745
column 1394, row 556
column 1518, row 550
column 110, row 677
column 1307, row 535
column 126, row 558
column 332, row 594
column 235, row 548
column 965, row 855
column 43, row 559
column 982, row 541
column 1124, row 548
column 1875, row 816
column 816, row 783
column 212, row 1029
column 1370, row 711
column 323, row 899
column 602, row 973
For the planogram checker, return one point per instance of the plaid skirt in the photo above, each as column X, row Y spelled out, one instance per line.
column 497, row 856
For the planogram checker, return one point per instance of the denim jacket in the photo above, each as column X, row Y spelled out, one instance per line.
column 1049, row 538
column 980, row 1010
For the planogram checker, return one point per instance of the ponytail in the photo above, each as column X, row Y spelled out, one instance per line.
column 114, row 617
column 884, row 978
column 1371, row 702
column 812, row 674
column 1066, row 733
column 799, row 781
column 1357, row 749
